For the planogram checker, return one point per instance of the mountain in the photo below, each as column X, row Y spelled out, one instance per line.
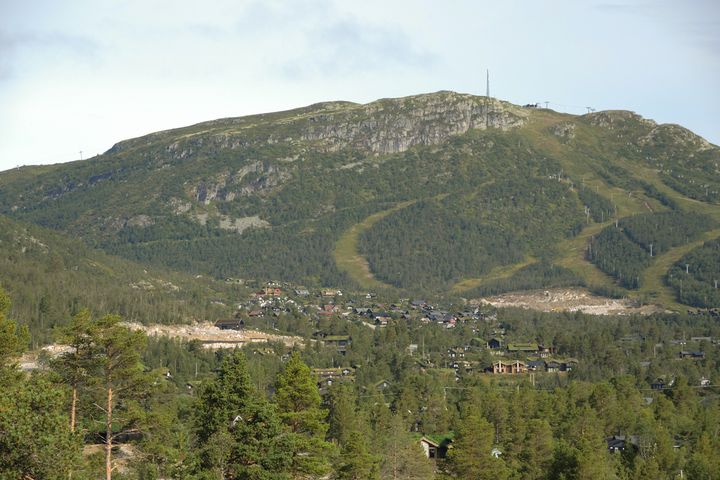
column 443, row 193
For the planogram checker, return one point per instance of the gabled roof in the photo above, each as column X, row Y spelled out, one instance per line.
column 429, row 442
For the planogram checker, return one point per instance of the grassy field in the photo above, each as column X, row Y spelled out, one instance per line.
column 497, row 273
column 346, row 254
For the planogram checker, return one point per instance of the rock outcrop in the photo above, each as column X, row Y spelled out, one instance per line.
column 392, row 126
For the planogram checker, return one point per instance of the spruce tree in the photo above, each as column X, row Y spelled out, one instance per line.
column 240, row 435
column 299, row 405
column 471, row 455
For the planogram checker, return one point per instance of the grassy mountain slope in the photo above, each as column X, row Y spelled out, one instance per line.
column 432, row 193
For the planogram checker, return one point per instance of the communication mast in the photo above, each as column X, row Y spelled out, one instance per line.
column 487, row 99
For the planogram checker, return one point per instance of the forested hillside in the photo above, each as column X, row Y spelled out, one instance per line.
column 429, row 194
column 51, row 278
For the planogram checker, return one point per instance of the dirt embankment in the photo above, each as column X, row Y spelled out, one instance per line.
column 207, row 333
column 213, row 337
column 569, row 300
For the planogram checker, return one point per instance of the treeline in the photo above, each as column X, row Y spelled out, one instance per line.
column 624, row 252
column 696, row 276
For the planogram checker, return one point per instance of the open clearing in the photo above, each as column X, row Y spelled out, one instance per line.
column 348, row 259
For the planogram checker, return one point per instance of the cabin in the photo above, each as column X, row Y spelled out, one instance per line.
column 233, row 324
column 418, row 304
column 456, row 352
column 503, row 368
column 382, row 385
column 618, row 443
column 328, row 376
column 494, row 344
column 536, row 365
column 692, row 355
column 434, row 450
column 544, row 352
column 660, row 384
column 381, row 319
column 553, row 366
column 340, row 342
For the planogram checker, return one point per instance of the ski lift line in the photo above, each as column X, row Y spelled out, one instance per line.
column 566, row 106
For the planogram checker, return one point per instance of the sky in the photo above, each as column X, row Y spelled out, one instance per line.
column 77, row 76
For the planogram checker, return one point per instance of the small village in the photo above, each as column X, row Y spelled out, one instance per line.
column 498, row 354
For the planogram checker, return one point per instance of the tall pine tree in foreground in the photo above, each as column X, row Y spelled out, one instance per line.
column 78, row 365
column 120, row 373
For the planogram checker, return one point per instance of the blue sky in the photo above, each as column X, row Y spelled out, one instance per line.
column 82, row 75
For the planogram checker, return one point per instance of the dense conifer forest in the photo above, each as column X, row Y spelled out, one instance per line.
column 144, row 408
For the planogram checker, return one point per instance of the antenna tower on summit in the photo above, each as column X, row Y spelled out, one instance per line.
column 487, row 84
column 487, row 98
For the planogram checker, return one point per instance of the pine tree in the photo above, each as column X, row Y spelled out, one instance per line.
column 35, row 442
column 403, row 458
column 13, row 339
column 76, row 365
column 343, row 417
column 536, row 450
column 119, row 371
column 356, row 461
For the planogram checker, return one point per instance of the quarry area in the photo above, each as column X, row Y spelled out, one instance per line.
column 570, row 300
column 206, row 333
column 213, row 337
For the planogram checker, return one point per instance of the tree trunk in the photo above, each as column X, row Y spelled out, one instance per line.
column 108, row 435
column 73, row 408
